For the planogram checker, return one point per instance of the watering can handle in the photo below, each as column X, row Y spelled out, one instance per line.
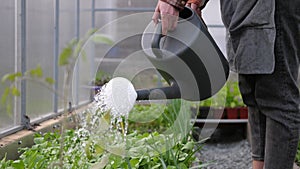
column 156, row 41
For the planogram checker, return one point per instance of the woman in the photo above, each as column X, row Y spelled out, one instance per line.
column 264, row 49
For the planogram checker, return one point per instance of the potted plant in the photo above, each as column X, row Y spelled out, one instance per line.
column 101, row 79
column 233, row 100
column 243, row 112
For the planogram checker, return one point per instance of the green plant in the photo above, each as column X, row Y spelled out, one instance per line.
column 146, row 118
column 89, row 148
column 12, row 90
column 233, row 97
column 228, row 96
column 152, row 151
column 146, row 151
column 67, row 60
column 159, row 117
column 86, row 148
column 45, row 152
column 101, row 78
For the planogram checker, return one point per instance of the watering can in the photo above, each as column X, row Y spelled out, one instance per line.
column 187, row 58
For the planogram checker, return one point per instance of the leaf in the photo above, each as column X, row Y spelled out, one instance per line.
column 163, row 163
column 4, row 159
column 11, row 76
column 5, row 95
column 87, row 149
column 50, row 80
column 134, row 162
column 37, row 72
column 156, row 166
column 171, row 167
column 39, row 140
column 188, row 146
column 98, row 149
column 6, row 101
column 99, row 38
column 182, row 166
column 15, row 91
column 78, row 48
column 18, row 164
column 107, row 116
column 64, row 56
column 104, row 161
column 91, row 32
column 5, row 77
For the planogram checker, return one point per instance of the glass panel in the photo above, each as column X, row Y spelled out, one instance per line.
column 85, row 65
column 132, row 3
column 7, row 56
column 40, row 44
column 125, row 27
column 212, row 16
column 66, row 34
column 212, row 13
column 218, row 35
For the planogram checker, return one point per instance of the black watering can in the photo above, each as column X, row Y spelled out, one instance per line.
column 187, row 58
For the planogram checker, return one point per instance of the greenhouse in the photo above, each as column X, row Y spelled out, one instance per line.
column 84, row 86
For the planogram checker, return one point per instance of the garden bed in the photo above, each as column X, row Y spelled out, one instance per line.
column 84, row 147
column 9, row 145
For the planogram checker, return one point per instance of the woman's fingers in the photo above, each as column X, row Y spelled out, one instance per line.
column 155, row 17
column 165, row 23
column 168, row 15
column 174, row 21
column 196, row 8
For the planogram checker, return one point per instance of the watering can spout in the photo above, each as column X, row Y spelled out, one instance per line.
column 170, row 92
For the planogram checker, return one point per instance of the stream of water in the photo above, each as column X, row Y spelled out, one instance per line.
column 118, row 97
column 106, row 119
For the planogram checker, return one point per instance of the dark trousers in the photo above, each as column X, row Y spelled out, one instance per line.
column 273, row 99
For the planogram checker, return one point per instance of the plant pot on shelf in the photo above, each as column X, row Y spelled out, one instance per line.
column 232, row 113
column 243, row 112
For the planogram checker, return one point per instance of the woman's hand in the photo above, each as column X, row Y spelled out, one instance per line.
column 168, row 15
column 195, row 7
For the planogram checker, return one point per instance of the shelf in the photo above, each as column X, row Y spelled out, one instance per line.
column 219, row 120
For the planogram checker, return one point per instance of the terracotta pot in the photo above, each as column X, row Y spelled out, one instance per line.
column 232, row 113
column 243, row 113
